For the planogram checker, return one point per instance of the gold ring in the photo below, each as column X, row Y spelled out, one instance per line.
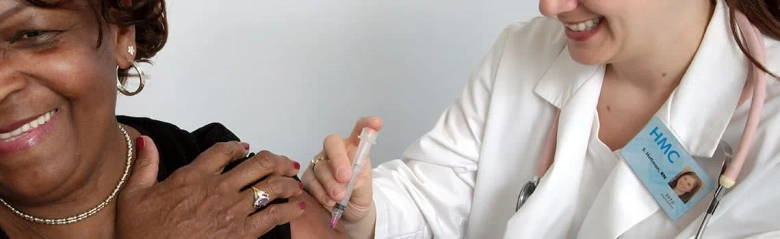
column 260, row 198
column 318, row 159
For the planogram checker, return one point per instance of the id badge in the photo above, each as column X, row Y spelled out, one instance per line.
column 666, row 169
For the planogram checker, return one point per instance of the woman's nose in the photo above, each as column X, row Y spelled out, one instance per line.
column 551, row 8
column 11, row 81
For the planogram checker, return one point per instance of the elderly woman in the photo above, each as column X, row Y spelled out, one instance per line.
column 70, row 168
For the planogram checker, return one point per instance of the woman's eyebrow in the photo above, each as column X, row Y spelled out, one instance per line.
column 5, row 15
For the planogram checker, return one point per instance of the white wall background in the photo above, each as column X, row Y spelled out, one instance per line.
column 284, row 74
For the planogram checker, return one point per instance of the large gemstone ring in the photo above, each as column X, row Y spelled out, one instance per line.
column 261, row 198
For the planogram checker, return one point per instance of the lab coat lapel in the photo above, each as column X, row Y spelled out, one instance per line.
column 575, row 89
column 700, row 119
column 735, row 65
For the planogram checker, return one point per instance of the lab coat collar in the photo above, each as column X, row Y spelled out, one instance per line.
column 564, row 78
column 699, row 109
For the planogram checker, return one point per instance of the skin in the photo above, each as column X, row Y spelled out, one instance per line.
column 61, row 70
column 49, row 60
column 314, row 222
column 684, row 185
column 643, row 67
column 646, row 45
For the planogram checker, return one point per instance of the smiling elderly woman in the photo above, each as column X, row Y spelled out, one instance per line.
column 70, row 168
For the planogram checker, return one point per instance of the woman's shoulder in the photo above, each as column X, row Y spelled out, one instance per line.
column 537, row 38
column 772, row 54
column 178, row 147
column 540, row 29
column 772, row 64
column 520, row 56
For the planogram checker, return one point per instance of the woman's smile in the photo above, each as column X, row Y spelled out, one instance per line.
column 25, row 134
column 582, row 31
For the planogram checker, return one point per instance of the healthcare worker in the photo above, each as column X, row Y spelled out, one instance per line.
column 590, row 78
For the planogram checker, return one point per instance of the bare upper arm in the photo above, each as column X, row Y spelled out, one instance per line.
column 314, row 222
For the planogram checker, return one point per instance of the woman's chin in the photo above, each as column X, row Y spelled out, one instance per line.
column 593, row 53
column 588, row 57
column 36, row 183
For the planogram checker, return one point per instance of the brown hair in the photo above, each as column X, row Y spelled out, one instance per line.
column 148, row 17
column 764, row 14
column 687, row 195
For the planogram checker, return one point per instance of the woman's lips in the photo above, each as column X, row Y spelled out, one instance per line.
column 26, row 134
column 583, row 31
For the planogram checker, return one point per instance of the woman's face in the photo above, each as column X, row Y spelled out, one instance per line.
column 685, row 183
column 57, row 95
column 606, row 31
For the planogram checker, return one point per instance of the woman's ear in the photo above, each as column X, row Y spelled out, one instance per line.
column 126, row 49
column 125, row 42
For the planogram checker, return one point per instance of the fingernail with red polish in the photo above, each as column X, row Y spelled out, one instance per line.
column 296, row 165
column 139, row 143
column 300, row 185
column 246, row 145
column 302, row 205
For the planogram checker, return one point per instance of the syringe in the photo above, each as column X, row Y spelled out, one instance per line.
column 367, row 138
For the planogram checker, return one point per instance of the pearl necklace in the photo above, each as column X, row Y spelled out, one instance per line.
column 92, row 211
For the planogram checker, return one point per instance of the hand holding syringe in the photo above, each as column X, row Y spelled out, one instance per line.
column 367, row 138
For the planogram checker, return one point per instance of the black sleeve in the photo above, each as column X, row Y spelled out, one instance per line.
column 178, row 148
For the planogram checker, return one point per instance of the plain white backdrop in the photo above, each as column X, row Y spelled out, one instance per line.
column 282, row 75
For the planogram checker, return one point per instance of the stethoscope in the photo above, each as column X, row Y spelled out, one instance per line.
column 731, row 166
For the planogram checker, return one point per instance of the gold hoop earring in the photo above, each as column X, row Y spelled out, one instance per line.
column 120, row 85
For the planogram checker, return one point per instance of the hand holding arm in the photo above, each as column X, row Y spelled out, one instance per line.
column 199, row 200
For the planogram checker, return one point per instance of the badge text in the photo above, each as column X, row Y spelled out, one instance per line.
column 660, row 140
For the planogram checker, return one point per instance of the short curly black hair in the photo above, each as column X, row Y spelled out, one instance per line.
column 148, row 17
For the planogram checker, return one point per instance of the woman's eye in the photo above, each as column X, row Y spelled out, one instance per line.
column 31, row 34
column 27, row 35
column 34, row 38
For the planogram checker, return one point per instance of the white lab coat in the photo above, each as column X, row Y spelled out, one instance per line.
column 462, row 179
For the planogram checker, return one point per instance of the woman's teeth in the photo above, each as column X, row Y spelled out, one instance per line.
column 28, row 126
column 584, row 26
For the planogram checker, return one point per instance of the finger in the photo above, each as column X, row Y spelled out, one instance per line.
column 363, row 178
column 315, row 189
column 370, row 122
column 274, row 215
column 335, row 190
column 276, row 187
column 146, row 167
column 338, row 163
column 214, row 159
column 361, row 195
column 259, row 166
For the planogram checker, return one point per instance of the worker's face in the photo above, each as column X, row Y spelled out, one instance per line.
column 685, row 183
column 608, row 31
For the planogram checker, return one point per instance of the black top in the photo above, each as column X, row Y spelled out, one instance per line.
column 178, row 148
